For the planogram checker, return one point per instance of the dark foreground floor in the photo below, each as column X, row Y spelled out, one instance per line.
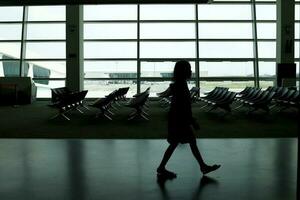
column 125, row 169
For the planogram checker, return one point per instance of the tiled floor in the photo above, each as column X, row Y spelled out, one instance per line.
column 125, row 169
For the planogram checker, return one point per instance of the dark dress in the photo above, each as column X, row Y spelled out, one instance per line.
column 180, row 118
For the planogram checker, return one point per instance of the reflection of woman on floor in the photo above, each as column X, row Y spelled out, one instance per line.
column 180, row 120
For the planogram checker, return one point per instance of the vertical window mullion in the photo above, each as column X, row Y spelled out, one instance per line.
column 255, row 44
column 197, row 65
column 138, row 75
column 23, row 40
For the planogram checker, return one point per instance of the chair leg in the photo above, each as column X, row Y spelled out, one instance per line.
column 212, row 108
column 144, row 117
column 79, row 110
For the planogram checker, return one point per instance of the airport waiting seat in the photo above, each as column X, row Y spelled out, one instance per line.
column 59, row 93
column 69, row 102
column 263, row 102
column 138, row 103
column 104, row 105
column 223, row 102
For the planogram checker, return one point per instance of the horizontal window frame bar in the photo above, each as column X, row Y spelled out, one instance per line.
column 48, row 79
column 175, row 59
column 108, row 79
column 45, row 59
column 245, row 2
column 11, row 22
column 148, row 40
column 45, row 22
column 168, row 40
column 176, row 21
column 44, row 40
column 226, row 78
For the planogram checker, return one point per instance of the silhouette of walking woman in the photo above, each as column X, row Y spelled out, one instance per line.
column 181, row 121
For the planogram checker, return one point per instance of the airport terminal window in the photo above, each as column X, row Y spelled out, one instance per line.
column 110, row 49
column 167, row 31
column 228, row 49
column 110, row 31
column 167, row 12
column 225, row 30
column 11, row 14
column 267, row 73
column 10, row 40
column 226, row 69
column 45, row 49
column 122, row 40
column 224, row 12
column 266, row 30
column 110, row 12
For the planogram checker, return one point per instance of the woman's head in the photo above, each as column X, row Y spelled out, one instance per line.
column 182, row 70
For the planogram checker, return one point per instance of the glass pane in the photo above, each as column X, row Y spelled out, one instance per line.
column 110, row 69
column 110, row 31
column 159, row 86
column 297, row 30
column 225, row 49
column 266, row 12
column 100, row 88
column 10, row 31
column 46, row 31
column 267, row 49
column 47, row 69
column 110, row 50
column 297, row 12
column 167, row 50
column 297, row 48
column 225, row 30
column 213, row 69
column 266, row 30
column 46, row 13
column 11, row 13
column 44, row 90
column 110, row 12
column 45, row 50
column 160, row 69
column 9, row 68
column 224, row 12
column 235, row 86
column 167, row 30
column 167, row 12
column 10, row 49
column 264, row 84
column 267, row 69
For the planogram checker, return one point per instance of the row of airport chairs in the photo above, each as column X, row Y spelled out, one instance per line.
column 255, row 99
column 107, row 104
column 138, row 103
column 219, row 97
column 65, row 101
column 271, row 98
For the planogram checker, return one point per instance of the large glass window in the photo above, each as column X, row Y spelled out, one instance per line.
column 121, row 41
column 10, row 40
column 45, row 47
column 110, row 48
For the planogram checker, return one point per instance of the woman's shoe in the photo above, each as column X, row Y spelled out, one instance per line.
column 166, row 174
column 208, row 168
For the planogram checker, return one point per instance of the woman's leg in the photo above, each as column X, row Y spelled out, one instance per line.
column 203, row 167
column 167, row 156
column 197, row 154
